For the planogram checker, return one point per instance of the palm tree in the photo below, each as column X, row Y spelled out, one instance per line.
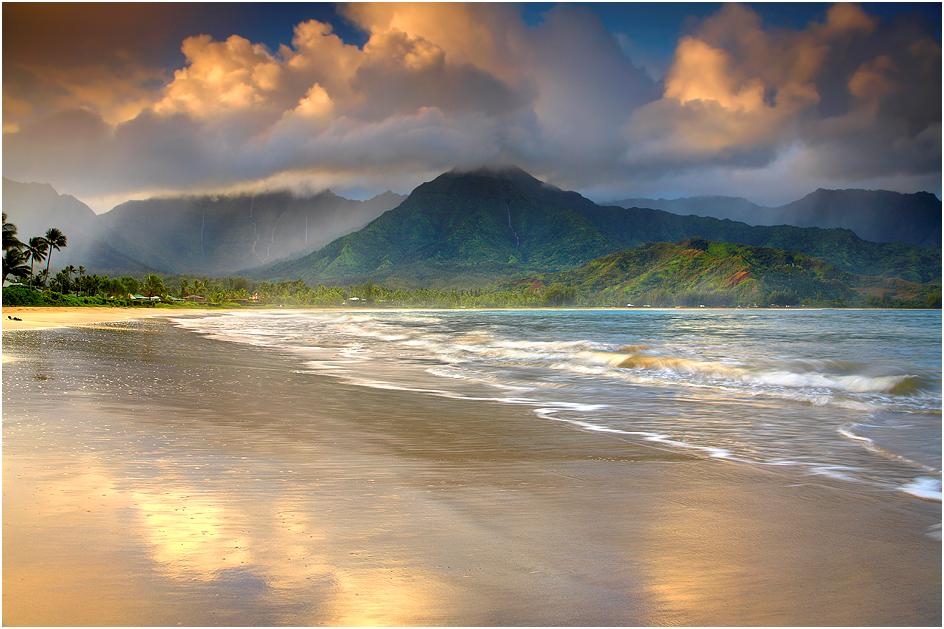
column 14, row 264
column 10, row 240
column 153, row 286
column 14, row 260
column 56, row 240
column 36, row 249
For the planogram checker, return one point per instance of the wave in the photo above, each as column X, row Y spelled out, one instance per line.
column 925, row 488
column 855, row 383
column 871, row 446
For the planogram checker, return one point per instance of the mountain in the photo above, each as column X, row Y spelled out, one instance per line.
column 488, row 224
column 224, row 234
column 35, row 207
column 699, row 272
column 876, row 215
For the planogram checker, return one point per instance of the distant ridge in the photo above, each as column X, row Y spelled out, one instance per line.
column 35, row 207
column 195, row 234
column 876, row 215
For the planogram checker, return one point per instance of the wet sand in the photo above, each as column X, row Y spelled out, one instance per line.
column 152, row 476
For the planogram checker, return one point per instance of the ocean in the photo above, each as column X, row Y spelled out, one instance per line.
column 852, row 396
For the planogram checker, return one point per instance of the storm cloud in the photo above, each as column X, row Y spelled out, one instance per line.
column 849, row 99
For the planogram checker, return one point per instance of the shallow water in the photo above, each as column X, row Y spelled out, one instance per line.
column 850, row 396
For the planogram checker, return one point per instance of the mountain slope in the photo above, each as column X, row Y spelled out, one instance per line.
column 490, row 224
column 700, row 272
column 696, row 272
column 225, row 234
column 35, row 207
column 875, row 215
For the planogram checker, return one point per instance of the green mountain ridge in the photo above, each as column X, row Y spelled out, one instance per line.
column 484, row 225
column 700, row 272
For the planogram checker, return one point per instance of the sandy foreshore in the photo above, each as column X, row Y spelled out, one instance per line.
column 156, row 477
column 39, row 318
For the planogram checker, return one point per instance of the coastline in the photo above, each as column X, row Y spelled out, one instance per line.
column 47, row 317
column 203, row 482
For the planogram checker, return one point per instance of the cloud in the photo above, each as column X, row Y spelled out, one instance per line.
column 221, row 78
column 739, row 94
column 436, row 86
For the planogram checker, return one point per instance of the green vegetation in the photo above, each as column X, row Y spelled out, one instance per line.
column 692, row 273
column 699, row 272
column 695, row 272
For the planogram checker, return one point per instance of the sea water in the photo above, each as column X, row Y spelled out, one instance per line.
column 849, row 398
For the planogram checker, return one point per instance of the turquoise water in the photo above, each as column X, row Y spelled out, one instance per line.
column 846, row 398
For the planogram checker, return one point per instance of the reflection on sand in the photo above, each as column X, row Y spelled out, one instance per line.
column 191, row 536
column 197, row 535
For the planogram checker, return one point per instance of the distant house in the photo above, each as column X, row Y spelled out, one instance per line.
column 138, row 297
column 194, row 298
column 254, row 298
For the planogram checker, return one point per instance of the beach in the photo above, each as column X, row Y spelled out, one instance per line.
column 37, row 318
column 157, row 473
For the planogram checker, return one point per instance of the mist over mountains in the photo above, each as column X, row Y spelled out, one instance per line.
column 35, row 207
column 218, row 235
column 210, row 235
column 877, row 215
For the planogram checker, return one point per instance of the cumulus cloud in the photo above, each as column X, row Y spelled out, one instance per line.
column 845, row 89
column 438, row 86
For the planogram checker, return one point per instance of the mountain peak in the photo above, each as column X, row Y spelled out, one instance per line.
column 483, row 182
column 388, row 196
column 496, row 171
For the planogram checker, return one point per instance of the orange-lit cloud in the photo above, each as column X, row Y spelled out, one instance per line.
column 741, row 94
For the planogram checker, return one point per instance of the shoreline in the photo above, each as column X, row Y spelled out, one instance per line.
column 49, row 317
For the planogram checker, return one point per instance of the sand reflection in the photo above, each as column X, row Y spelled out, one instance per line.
column 295, row 562
column 310, row 552
column 191, row 535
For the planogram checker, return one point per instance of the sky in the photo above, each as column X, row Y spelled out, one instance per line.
column 769, row 101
